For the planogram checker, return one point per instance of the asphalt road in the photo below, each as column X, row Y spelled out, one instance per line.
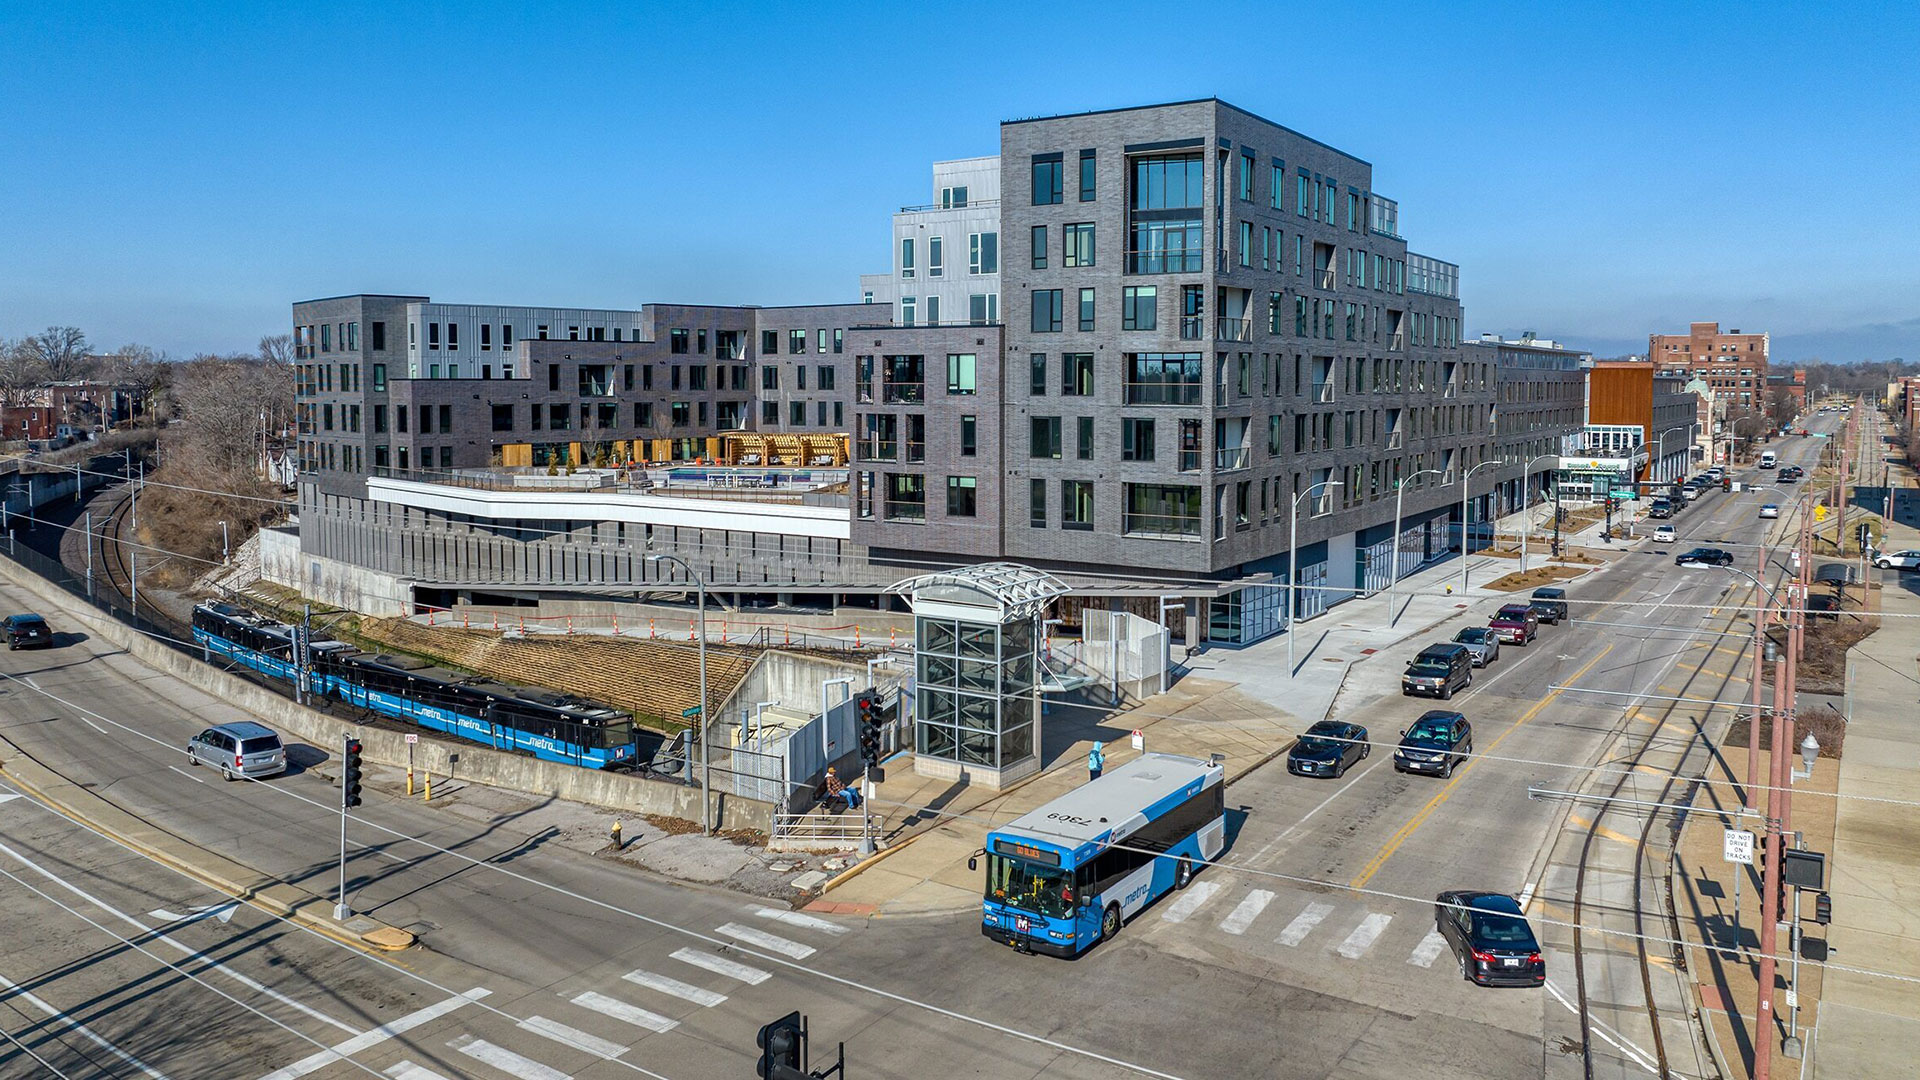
column 1308, row 955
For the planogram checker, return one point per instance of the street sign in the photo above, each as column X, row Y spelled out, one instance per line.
column 1139, row 739
column 412, row 738
column 1738, row 846
column 688, row 714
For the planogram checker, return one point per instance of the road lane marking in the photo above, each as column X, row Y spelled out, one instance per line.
column 1303, row 924
column 223, row 912
column 574, row 1037
column 1242, row 916
column 1429, row 950
column 796, row 918
column 374, row 1037
column 188, row 773
column 1526, row 897
column 769, row 942
column 8, row 797
column 1420, row 816
column 505, row 1060
column 625, row 1013
column 1601, row 831
column 407, row 1070
column 721, row 966
column 685, row 991
column 1364, row 936
column 1304, row 818
column 1634, row 1053
column 1189, row 902
column 14, row 989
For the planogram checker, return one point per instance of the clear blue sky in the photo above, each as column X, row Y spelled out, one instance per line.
column 1598, row 170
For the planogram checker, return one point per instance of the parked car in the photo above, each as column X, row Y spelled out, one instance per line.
column 1663, row 535
column 26, row 631
column 1770, row 510
column 1550, row 603
column 1490, row 938
column 1692, row 491
column 1660, row 508
column 1897, row 560
column 1481, row 642
column 1439, row 670
column 1436, row 743
column 240, row 750
column 1328, row 748
column 1704, row 556
column 1515, row 623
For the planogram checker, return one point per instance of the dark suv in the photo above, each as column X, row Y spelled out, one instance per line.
column 1435, row 743
column 1705, row 557
column 1550, row 603
column 26, row 631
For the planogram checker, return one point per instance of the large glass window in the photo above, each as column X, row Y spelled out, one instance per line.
column 1164, row 378
column 1037, row 374
column 1086, row 175
column 1038, row 237
column 1043, row 437
column 1136, row 439
column 906, row 497
column 1046, row 179
column 1048, row 312
column 1076, row 505
column 961, row 492
column 983, row 253
column 1086, row 310
column 1077, row 244
column 906, row 257
column 1076, row 374
column 1139, row 307
column 1171, row 510
column 961, row 373
column 1164, row 222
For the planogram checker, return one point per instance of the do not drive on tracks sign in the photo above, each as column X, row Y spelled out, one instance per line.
column 1738, row 846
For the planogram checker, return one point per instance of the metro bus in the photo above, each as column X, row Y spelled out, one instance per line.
column 1066, row 875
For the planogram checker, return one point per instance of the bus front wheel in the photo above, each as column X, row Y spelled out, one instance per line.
column 1183, row 874
column 1110, row 922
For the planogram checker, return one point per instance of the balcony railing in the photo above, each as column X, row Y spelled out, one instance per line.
column 1163, row 393
column 1325, row 277
column 1160, row 526
column 1192, row 328
column 1323, row 391
column 969, row 204
column 1165, row 262
column 1231, row 457
column 1397, row 342
column 1235, row 329
column 897, row 393
column 1396, row 439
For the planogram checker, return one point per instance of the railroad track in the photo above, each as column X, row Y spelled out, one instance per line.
column 116, row 561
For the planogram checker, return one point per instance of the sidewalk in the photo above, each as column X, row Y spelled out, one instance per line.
column 1227, row 702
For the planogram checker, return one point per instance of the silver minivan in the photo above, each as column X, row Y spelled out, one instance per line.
column 239, row 750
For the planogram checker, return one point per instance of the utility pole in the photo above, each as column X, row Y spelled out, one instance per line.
column 89, row 539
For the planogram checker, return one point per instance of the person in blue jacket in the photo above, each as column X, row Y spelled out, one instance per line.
column 1096, row 760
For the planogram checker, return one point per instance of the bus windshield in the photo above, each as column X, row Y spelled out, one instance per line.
column 1029, row 886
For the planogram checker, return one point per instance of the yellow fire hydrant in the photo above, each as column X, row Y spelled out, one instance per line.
column 616, row 836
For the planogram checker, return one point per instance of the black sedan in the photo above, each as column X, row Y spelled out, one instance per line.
column 1704, row 557
column 1436, row 742
column 26, row 631
column 1490, row 938
column 1329, row 748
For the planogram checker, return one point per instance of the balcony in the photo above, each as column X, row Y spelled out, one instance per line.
column 969, row 204
column 1161, row 393
column 1432, row 277
column 1323, row 391
column 1192, row 328
column 1165, row 262
column 1231, row 457
column 1160, row 526
column 903, row 393
column 1235, row 329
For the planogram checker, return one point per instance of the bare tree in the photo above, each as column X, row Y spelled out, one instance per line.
column 60, row 351
column 277, row 348
column 224, row 401
column 21, row 373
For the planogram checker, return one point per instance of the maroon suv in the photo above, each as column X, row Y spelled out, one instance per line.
column 1517, row 624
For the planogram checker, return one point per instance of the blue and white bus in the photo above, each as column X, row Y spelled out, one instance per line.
column 1067, row 875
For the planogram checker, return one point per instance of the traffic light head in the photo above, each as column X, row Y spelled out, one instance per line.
column 1822, row 909
column 782, row 1048
column 350, row 773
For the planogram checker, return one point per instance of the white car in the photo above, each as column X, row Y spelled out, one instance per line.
column 1897, row 560
column 1663, row 534
column 1770, row 511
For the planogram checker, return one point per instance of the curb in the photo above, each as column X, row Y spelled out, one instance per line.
column 863, row 865
column 270, row 895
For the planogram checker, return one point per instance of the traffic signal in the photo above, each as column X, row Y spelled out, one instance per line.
column 1822, row 909
column 867, row 715
column 783, row 1046
column 350, row 774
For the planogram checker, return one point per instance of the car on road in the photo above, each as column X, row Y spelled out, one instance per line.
column 1704, row 556
column 1550, row 603
column 1436, row 743
column 240, row 750
column 1770, row 510
column 1439, row 670
column 1897, row 560
column 26, row 631
column 1516, row 624
column 1490, row 938
column 1328, row 748
column 1481, row 642
column 1663, row 535
column 1790, row 473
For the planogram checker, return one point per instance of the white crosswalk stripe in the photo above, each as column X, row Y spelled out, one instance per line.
column 769, row 942
column 685, row 991
column 1429, row 949
column 1364, row 936
column 625, row 1013
column 407, row 1070
column 1249, row 909
column 1189, row 902
column 722, row 966
column 505, row 1060
column 574, row 1037
column 1303, row 924
column 801, row 919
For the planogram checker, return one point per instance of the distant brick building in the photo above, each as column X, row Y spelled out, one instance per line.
column 1733, row 364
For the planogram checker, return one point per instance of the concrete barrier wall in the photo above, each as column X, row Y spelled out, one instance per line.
column 329, row 581
column 625, row 792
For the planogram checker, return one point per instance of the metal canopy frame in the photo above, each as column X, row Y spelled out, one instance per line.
column 1016, row 590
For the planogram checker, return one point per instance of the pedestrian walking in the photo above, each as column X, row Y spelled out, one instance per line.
column 1096, row 760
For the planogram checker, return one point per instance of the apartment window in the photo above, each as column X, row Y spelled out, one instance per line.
column 446, row 457
column 326, row 337
column 797, row 413
column 1039, row 239
column 1246, row 243
column 626, row 377
column 433, row 336
column 1037, row 504
column 936, row 257
column 1303, row 196
column 560, row 417
column 906, row 257
column 1076, row 374
column 962, row 373
column 799, row 376
column 909, row 310
column 502, row 418
column 953, row 198
column 378, row 335
column 677, row 340
column 379, row 373
column 933, row 311
column 1136, row 439
column 820, row 336
column 1076, row 244
column 820, row 413
column 825, row 372
column 697, row 377
column 1084, row 444
column 1279, row 182
column 969, row 432
column 983, row 309
column 1076, row 505
column 1164, row 215
column 1139, row 307
column 643, row 414
column 906, row 497
column 1046, row 179
column 486, row 336
column 379, row 419
column 837, row 418
column 770, row 342
column 1086, row 175
column 839, row 340
column 1044, row 437
column 506, row 335
column 1037, row 374
column 1163, row 378
column 961, row 496
column 983, row 253
column 1086, row 309
column 700, row 342
column 1246, row 177
column 646, row 376
column 797, row 342
column 1047, row 311
column 400, row 418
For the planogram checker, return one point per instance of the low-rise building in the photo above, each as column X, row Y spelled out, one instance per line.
column 1540, row 390
column 1733, row 363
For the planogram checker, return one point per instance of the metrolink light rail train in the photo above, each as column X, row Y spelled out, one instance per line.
column 551, row 726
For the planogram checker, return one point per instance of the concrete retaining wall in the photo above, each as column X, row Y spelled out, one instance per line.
column 620, row 791
column 329, row 581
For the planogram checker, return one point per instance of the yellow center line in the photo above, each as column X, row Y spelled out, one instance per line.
column 1393, row 842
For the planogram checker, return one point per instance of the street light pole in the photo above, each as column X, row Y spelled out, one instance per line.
column 1166, row 638
column 1393, row 578
column 1466, row 485
column 1293, row 561
column 706, row 758
column 1526, row 506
